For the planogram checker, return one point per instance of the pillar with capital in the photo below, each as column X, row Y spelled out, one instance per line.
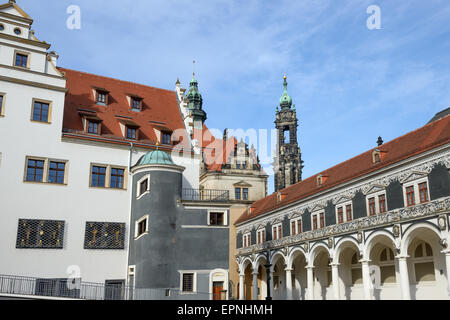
column 255, row 285
column 335, row 279
column 310, row 275
column 288, row 283
column 241, row 286
column 367, row 281
column 404, row 277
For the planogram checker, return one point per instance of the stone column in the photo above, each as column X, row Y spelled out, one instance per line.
column 335, row 278
column 310, row 275
column 241, row 286
column 255, row 286
column 366, row 280
column 447, row 264
column 404, row 277
column 288, row 284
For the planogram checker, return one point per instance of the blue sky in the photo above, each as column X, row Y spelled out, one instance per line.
column 349, row 84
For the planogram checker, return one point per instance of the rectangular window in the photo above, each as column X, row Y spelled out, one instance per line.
column 382, row 203
column 131, row 133
column 246, row 240
column 237, row 193
column 35, row 170
column 261, row 236
column 315, row 222
column 93, row 127
column 117, row 178
column 104, row 235
column 166, row 138
column 245, row 194
column 293, row 228
column 98, row 177
column 143, row 187
column 322, row 220
column 21, row 60
column 216, row 218
column 41, row 112
column 423, row 192
column 277, row 232
column 56, row 172
column 142, row 227
column 340, row 215
column 46, row 170
column 410, row 197
column 188, row 282
column 102, row 97
column 274, row 233
column 40, row 234
column 348, row 210
column 372, row 208
column 299, row 226
column 136, row 104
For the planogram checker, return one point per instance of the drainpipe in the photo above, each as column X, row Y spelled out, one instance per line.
column 130, row 190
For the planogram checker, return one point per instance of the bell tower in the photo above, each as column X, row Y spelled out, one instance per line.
column 288, row 164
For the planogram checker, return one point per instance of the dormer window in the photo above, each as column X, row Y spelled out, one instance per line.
column 93, row 127
column 166, row 138
column 101, row 97
column 136, row 104
column 131, row 133
column 378, row 156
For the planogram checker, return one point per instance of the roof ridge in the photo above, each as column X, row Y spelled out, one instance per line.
column 116, row 79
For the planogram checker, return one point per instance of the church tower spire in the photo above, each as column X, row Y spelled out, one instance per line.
column 195, row 104
column 288, row 164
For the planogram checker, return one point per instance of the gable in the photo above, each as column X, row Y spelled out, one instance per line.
column 13, row 9
column 414, row 176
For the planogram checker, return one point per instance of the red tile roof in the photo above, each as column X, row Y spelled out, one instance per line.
column 419, row 141
column 159, row 108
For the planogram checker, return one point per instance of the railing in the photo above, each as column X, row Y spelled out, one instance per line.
column 75, row 289
column 206, row 195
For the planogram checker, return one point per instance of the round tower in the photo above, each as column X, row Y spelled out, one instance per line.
column 155, row 210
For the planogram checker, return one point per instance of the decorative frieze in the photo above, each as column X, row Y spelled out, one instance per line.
column 423, row 167
column 392, row 217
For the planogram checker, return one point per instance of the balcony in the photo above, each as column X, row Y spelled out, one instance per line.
column 205, row 195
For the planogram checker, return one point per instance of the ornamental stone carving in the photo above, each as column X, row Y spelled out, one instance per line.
column 442, row 222
column 396, row 231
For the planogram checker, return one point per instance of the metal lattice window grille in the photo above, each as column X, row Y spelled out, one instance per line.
column 40, row 234
column 105, row 236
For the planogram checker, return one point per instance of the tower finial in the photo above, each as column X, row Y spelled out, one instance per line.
column 193, row 70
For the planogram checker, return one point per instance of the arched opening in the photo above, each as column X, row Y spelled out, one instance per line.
column 262, row 278
column 426, row 265
column 299, row 276
column 322, row 275
column 350, row 272
column 384, row 271
column 279, row 277
column 248, row 283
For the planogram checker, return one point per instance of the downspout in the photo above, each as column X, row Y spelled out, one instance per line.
column 130, row 190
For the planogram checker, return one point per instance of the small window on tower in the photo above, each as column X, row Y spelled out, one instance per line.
column 141, row 227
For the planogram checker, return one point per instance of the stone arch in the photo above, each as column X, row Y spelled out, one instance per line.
column 294, row 254
column 315, row 249
column 275, row 257
column 244, row 264
column 344, row 243
column 412, row 231
column 371, row 241
column 257, row 262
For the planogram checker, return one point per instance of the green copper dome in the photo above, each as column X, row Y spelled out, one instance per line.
column 286, row 100
column 194, row 97
column 156, row 157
